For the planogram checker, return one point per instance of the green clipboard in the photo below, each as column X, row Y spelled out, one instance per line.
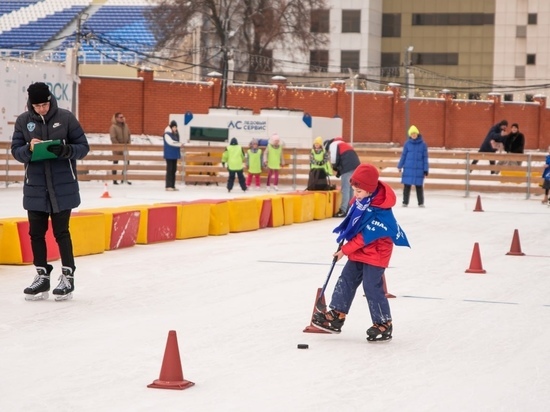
column 40, row 150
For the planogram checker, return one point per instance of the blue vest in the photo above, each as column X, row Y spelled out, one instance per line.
column 172, row 152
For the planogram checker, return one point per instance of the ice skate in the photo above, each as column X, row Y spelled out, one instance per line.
column 380, row 332
column 331, row 321
column 64, row 290
column 40, row 286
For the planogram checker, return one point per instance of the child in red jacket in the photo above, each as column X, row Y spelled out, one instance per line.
column 368, row 233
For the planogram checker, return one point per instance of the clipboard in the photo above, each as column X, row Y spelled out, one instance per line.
column 40, row 150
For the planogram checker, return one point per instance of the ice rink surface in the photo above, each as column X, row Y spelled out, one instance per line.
column 239, row 304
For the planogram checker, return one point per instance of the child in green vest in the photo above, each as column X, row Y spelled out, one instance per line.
column 254, row 163
column 234, row 157
column 273, row 160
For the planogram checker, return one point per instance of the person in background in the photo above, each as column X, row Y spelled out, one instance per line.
column 546, row 179
column 366, row 236
column 493, row 141
column 253, row 163
column 234, row 157
column 414, row 164
column 172, row 153
column 50, row 188
column 120, row 134
column 514, row 142
column 344, row 161
column 273, row 160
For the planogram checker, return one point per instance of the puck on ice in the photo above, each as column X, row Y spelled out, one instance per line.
column 303, row 346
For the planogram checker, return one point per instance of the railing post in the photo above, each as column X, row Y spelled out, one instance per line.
column 294, row 168
column 468, row 171
column 125, row 164
column 528, row 194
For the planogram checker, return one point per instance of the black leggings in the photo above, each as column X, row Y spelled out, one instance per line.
column 38, row 226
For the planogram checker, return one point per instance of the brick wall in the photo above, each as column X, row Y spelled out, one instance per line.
column 378, row 117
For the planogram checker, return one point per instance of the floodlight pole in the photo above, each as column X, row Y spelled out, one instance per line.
column 408, row 54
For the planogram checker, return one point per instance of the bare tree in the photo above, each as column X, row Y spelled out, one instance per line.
column 249, row 30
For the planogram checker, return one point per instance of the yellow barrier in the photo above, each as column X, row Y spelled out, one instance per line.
column 87, row 233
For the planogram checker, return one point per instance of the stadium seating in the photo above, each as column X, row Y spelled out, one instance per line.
column 115, row 32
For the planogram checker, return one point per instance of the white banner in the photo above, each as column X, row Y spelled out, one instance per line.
column 15, row 78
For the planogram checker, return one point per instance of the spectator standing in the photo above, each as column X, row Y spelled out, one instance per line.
column 50, row 188
column 120, row 134
column 344, row 161
column 172, row 153
column 546, row 179
column 273, row 160
column 514, row 142
column 254, row 163
column 490, row 144
column 414, row 164
column 234, row 158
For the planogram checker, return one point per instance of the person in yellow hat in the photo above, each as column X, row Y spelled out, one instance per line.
column 414, row 165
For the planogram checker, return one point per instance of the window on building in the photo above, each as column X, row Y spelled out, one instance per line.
column 508, row 97
column 349, row 59
column 320, row 21
column 452, row 19
column 318, row 60
column 519, row 72
column 532, row 18
column 351, row 21
column 531, row 59
column 474, row 96
column 435, row 59
column 521, row 32
column 390, row 59
column 529, row 97
column 391, row 25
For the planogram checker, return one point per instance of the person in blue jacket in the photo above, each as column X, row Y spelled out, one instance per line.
column 50, row 188
column 172, row 153
column 414, row 164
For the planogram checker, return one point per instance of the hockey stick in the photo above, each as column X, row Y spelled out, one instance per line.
column 320, row 304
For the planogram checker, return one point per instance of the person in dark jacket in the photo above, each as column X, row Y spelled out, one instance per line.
column 496, row 134
column 50, row 188
column 414, row 164
column 172, row 152
column 344, row 161
column 514, row 142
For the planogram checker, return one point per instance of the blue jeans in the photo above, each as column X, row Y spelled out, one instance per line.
column 373, row 285
column 347, row 191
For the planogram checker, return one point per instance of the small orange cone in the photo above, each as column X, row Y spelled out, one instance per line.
column 475, row 263
column 515, row 248
column 311, row 328
column 478, row 205
column 171, row 374
column 388, row 295
column 105, row 193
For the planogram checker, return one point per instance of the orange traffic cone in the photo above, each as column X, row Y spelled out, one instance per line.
column 475, row 263
column 105, row 193
column 311, row 328
column 171, row 374
column 515, row 248
column 388, row 295
column 478, row 205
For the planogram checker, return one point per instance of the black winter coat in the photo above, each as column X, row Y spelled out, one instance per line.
column 50, row 185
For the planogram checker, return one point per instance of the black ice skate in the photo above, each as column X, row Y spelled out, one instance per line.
column 331, row 321
column 64, row 291
column 40, row 286
column 380, row 332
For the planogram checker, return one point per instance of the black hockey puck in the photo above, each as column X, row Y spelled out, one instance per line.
column 303, row 346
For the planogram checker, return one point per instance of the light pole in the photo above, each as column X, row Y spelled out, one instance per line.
column 408, row 54
column 352, row 120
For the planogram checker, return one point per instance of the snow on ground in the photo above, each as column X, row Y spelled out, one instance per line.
column 239, row 303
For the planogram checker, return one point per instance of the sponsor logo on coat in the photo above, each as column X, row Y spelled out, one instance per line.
column 31, row 126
